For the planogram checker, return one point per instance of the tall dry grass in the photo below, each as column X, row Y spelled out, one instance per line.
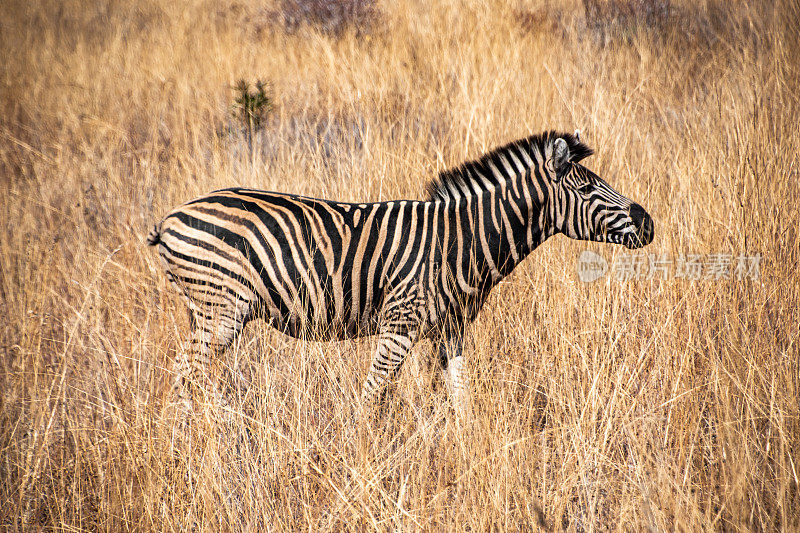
column 619, row 405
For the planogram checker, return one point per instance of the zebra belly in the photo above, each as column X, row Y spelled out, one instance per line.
column 214, row 285
column 322, row 322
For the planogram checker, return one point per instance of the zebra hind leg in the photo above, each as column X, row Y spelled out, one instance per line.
column 195, row 379
column 393, row 346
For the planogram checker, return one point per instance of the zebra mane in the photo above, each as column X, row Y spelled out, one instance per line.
column 468, row 177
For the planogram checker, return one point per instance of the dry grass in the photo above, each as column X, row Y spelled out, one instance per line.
column 644, row 404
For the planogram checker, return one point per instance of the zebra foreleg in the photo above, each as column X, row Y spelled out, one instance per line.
column 455, row 377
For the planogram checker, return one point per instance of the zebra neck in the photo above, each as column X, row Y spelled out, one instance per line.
column 491, row 234
column 518, row 223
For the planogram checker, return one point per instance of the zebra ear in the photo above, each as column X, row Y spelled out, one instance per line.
column 560, row 155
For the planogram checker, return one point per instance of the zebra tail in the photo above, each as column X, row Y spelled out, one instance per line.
column 154, row 237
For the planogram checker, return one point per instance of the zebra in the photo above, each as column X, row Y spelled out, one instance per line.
column 404, row 270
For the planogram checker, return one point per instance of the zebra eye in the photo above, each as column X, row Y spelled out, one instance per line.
column 586, row 188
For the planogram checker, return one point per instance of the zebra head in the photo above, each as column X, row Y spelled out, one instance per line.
column 586, row 207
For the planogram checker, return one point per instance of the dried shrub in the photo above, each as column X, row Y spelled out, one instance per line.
column 539, row 19
column 333, row 17
column 623, row 16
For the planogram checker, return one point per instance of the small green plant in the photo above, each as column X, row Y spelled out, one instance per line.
column 252, row 108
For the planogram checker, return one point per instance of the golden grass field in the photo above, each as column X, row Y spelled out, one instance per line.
column 642, row 404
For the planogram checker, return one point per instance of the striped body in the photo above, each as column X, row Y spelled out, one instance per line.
column 403, row 270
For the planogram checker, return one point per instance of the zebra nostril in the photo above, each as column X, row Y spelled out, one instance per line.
column 638, row 214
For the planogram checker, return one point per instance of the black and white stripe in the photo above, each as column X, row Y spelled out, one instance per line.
column 403, row 270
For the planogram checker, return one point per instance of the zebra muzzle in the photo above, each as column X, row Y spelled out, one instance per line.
column 645, row 229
